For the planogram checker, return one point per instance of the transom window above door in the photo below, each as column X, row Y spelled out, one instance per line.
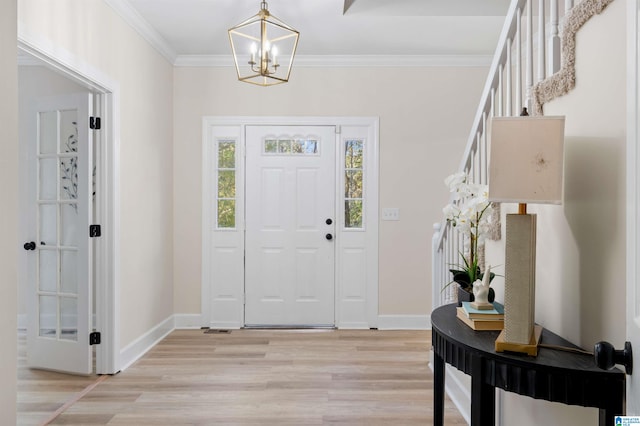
column 291, row 146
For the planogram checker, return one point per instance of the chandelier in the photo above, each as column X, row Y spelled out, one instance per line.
column 263, row 48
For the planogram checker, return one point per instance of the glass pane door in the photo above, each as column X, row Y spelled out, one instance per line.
column 60, row 206
column 57, row 224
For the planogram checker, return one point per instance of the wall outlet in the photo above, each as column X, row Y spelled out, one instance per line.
column 391, row 214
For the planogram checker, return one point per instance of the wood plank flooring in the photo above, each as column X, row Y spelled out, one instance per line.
column 252, row 377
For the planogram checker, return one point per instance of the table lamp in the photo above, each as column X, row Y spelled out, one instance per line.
column 526, row 166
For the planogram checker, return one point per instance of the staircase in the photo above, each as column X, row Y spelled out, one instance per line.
column 528, row 53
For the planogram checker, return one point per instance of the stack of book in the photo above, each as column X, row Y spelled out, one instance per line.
column 485, row 319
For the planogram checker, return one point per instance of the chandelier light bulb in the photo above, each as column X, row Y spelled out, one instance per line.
column 254, row 49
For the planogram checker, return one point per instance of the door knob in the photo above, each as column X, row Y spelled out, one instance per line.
column 30, row 245
column 328, row 221
column 329, row 237
column 607, row 357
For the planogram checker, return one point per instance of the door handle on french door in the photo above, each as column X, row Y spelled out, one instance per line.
column 329, row 237
column 31, row 245
column 328, row 221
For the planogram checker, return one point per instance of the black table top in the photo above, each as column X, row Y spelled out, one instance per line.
column 553, row 375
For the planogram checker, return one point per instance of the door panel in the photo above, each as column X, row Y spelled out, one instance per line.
column 290, row 193
column 58, row 210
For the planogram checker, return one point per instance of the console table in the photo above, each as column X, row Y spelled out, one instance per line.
column 553, row 375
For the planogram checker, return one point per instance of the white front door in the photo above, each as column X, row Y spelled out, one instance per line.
column 58, row 208
column 290, row 225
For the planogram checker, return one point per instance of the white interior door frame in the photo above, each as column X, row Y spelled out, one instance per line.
column 633, row 201
column 106, row 248
column 356, row 268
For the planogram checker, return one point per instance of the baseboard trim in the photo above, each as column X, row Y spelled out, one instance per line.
column 356, row 325
column 225, row 325
column 187, row 321
column 136, row 349
column 404, row 322
column 458, row 392
column 385, row 322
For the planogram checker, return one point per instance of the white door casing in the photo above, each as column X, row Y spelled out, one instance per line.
column 107, row 179
column 58, row 251
column 290, row 211
column 356, row 248
column 633, row 201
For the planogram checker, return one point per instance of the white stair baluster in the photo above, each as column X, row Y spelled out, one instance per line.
column 518, row 61
column 436, row 263
column 499, row 111
column 508, row 79
column 529, row 55
column 554, row 39
column 568, row 5
column 541, row 41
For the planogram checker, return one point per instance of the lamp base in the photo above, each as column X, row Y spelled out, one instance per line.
column 531, row 349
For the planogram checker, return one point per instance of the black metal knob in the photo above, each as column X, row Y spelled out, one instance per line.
column 328, row 221
column 30, row 245
column 607, row 357
column 329, row 237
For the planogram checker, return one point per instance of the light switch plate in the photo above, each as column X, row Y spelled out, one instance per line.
column 391, row 214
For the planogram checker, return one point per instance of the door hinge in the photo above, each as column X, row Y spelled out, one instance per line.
column 94, row 338
column 95, row 123
column 95, row 231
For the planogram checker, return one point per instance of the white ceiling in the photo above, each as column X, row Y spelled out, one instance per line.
column 428, row 28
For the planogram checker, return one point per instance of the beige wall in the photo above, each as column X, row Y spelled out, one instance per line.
column 425, row 116
column 580, row 276
column 96, row 36
column 9, row 211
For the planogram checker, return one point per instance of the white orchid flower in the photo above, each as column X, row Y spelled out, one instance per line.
column 470, row 213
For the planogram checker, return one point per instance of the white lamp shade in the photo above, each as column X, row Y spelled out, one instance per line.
column 526, row 162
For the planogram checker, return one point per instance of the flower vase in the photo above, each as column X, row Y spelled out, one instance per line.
column 464, row 296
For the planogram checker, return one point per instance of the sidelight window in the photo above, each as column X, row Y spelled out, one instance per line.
column 226, row 183
column 353, row 184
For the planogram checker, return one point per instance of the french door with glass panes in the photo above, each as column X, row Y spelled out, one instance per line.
column 58, row 205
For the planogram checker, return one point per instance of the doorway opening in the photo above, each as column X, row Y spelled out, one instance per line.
column 58, row 306
column 290, row 220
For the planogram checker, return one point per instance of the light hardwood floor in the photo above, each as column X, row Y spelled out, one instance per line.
column 252, row 377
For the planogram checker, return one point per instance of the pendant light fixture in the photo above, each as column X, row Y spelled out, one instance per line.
column 263, row 48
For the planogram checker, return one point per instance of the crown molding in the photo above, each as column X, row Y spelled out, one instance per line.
column 338, row 61
column 140, row 25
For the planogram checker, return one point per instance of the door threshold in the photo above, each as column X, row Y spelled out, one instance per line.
column 289, row 327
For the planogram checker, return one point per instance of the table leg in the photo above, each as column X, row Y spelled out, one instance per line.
column 483, row 397
column 607, row 415
column 603, row 416
column 438, row 390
